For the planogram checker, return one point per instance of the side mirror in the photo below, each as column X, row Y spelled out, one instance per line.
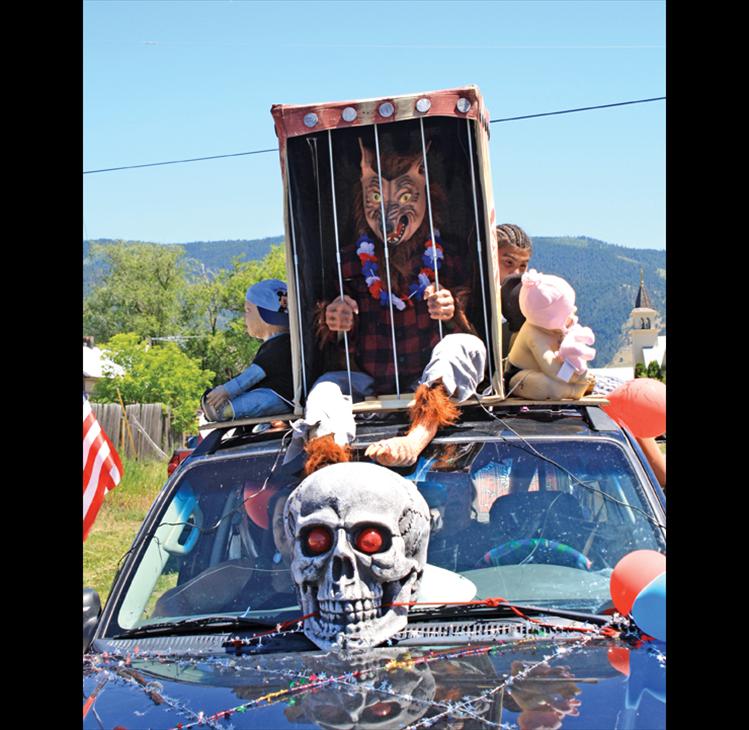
column 91, row 612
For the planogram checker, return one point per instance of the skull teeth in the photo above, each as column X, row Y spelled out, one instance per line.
column 355, row 606
column 331, row 624
column 349, row 613
column 352, row 617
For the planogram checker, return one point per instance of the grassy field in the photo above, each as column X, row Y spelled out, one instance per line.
column 118, row 521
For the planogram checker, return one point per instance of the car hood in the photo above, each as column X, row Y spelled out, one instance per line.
column 527, row 684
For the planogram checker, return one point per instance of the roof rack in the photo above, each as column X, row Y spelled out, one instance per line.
column 391, row 404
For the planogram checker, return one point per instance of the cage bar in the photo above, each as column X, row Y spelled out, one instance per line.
column 338, row 257
column 387, row 260
column 478, row 249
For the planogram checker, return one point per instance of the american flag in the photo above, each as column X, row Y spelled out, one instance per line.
column 102, row 468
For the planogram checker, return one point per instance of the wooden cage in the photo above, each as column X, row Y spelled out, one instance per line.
column 321, row 152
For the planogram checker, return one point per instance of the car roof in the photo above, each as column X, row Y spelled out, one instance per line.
column 538, row 421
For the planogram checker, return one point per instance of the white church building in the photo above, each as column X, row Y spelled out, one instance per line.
column 647, row 345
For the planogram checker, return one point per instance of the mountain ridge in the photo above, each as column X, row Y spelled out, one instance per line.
column 605, row 276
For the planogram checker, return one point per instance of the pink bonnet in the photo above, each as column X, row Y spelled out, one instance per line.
column 546, row 300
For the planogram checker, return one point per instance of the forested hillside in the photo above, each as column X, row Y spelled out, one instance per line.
column 605, row 276
column 606, row 279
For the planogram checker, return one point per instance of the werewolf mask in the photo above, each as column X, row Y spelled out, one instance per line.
column 403, row 197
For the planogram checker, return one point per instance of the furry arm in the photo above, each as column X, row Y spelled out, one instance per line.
column 459, row 322
column 323, row 334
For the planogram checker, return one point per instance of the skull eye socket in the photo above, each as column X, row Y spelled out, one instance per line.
column 380, row 711
column 317, row 540
column 372, row 539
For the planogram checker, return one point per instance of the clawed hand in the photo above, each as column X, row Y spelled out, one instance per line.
column 402, row 450
column 339, row 314
column 440, row 303
column 398, row 451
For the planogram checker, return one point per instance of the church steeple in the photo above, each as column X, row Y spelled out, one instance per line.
column 644, row 330
column 643, row 300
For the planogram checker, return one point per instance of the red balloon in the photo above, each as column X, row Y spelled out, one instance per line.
column 640, row 405
column 631, row 574
column 256, row 499
column 618, row 657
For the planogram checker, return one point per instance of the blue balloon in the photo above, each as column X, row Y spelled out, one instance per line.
column 649, row 608
column 646, row 675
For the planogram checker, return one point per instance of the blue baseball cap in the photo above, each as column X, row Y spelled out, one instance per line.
column 269, row 296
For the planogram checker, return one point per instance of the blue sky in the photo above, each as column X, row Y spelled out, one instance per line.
column 174, row 80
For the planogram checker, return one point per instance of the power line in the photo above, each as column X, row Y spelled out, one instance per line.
column 581, row 109
column 176, row 162
column 275, row 149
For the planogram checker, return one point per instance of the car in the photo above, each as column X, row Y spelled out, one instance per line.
column 532, row 507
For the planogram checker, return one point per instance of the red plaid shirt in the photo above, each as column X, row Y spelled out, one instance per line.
column 416, row 333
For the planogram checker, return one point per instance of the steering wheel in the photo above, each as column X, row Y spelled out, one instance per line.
column 514, row 552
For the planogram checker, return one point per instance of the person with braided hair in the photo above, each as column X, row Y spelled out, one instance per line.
column 514, row 248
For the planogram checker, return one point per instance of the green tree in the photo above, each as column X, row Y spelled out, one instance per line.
column 640, row 370
column 154, row 373
column 654, row 370
column 142, row 290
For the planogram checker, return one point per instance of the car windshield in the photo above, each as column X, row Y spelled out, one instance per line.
column 541, row 522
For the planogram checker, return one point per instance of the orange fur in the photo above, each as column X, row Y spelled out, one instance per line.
column 322, row 451
column 433, row 407
column 446, row 457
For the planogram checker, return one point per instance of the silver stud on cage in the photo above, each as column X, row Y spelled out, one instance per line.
column 310, row 120
column 463, row 104
column 348, row 114
column 386, row 109
column 423, row 105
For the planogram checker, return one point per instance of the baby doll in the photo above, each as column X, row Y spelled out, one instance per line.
column 548, row 359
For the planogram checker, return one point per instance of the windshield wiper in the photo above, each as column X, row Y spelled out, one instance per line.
column 191, row 625
column 502, row 610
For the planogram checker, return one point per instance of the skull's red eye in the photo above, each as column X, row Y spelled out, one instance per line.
column 382, row 709
column 319, row 540
column 369, row 540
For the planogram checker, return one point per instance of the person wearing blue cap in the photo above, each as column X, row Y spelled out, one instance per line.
column 265, row 388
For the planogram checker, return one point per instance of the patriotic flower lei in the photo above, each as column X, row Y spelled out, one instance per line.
column 365, row 250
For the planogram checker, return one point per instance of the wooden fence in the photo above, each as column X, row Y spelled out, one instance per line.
column 150, row 426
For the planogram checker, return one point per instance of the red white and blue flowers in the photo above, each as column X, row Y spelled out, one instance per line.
column 365, row 250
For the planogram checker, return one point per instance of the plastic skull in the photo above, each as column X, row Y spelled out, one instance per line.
column 360, row 535
column 361, row 706
column 406, row 694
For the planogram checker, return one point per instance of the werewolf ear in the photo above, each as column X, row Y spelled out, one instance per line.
column 367, row 159
column 417, row 168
